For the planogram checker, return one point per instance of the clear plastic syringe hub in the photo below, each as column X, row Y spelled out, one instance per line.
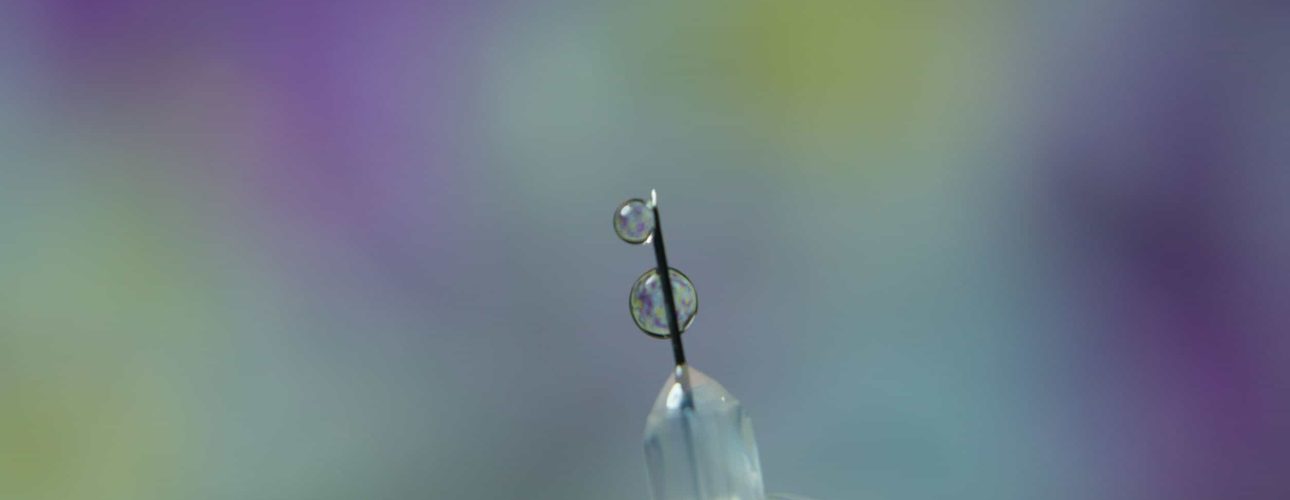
column 699, row 443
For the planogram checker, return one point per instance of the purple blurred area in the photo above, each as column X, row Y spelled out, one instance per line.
column 363, row 250
column 1169, row 181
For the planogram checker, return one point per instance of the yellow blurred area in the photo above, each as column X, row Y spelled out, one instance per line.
column 99, row 317
column 821, row 76
column 102, row 435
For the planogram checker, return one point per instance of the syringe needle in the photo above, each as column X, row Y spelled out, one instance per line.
column 699, row 442
column 660, row 257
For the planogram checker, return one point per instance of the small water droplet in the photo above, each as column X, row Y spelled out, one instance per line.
column 634, row 221
column 647, row 306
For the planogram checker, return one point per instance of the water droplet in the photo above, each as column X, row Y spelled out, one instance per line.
column 634, row 221
column 647, row 306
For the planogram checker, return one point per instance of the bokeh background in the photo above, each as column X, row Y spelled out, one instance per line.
column 973, row 250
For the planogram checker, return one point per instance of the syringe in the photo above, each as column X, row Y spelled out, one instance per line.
column 699, row 443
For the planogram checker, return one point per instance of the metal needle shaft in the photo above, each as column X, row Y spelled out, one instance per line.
column 665, row 275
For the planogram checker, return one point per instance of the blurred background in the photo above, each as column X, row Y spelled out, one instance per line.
column 1004, row 250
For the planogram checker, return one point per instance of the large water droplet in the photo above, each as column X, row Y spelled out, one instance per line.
column 647, row 306
column 634, row 221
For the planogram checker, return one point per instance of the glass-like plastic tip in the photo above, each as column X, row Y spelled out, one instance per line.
column 699, row 444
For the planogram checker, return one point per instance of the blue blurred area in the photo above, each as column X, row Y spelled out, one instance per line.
column 364, row 250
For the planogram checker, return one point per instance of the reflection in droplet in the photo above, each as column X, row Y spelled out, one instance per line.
column 634, row 221
column 647, row 306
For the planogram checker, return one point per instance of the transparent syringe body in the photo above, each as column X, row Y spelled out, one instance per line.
column 699, row 443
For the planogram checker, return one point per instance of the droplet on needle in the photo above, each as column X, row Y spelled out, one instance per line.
column 634, row 221
column 648, row 307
